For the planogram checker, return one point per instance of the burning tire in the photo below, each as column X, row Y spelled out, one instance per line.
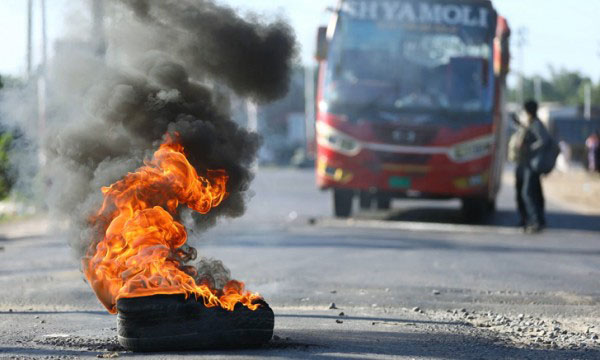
column 173, row 323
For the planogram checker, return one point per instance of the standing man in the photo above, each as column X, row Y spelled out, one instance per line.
column 593, row 147
column 530, row 196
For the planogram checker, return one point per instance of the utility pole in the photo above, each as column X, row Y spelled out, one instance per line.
column 537, row 83
column 521, row 43
column 29, row 36
column 587, row 101
column 42, row 86
column 252, row 116
column 252, row 123
column 309, row 110
column 98, row 36
column 44, row 36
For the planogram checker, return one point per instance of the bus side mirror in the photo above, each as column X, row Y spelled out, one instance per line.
column 322, row 44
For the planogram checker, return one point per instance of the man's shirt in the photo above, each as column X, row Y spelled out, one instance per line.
column 535, row 140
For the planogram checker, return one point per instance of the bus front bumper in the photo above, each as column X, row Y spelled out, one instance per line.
column 434, row 176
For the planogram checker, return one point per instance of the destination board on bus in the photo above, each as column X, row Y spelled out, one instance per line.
column 419, row 12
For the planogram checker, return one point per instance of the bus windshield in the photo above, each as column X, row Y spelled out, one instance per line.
column 393, row 65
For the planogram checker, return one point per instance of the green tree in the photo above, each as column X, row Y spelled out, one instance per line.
column 6, row 180
column 563, row 86
column 566, row 86
column 5, row 143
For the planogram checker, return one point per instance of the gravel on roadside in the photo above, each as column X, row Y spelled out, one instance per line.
column 528, row 331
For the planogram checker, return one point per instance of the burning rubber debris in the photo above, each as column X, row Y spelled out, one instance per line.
column 154, row 122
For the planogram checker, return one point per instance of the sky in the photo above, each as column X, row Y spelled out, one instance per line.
column 560, row 33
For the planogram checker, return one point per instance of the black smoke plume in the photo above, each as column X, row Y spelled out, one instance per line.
column 168, row 67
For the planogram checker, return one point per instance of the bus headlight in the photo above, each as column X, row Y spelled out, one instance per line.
column 472, row 149
column 329, row 137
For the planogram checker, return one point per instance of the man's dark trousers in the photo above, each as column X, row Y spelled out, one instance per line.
column 530, row 197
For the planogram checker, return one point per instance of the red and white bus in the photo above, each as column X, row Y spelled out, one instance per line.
column 410, row 102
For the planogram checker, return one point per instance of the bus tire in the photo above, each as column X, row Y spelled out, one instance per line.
column 384, row 202
column 491, row 207
column 476, row 210
column 342, row 202
column 366, row 200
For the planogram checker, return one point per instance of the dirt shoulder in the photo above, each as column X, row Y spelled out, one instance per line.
column 576, row 190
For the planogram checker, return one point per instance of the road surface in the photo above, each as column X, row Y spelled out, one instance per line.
column 411, row 283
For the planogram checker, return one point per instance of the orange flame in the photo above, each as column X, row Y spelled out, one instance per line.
column 141, row 248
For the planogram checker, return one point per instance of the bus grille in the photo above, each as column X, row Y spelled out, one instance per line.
column 396, row 158
column 404, row 135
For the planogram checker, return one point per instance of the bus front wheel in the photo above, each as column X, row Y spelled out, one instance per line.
column 477, row 209
column 366, row 200
column 384, row 201
column 342, row 202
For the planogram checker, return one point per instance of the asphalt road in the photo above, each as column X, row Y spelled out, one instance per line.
column 412, row 283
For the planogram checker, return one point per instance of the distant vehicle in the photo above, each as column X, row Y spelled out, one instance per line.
column 410, row 102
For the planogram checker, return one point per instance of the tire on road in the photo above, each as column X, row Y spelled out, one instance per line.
column 342, row 202
column 174, row 323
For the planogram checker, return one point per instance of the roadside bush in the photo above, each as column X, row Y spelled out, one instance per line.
column 5, row 177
